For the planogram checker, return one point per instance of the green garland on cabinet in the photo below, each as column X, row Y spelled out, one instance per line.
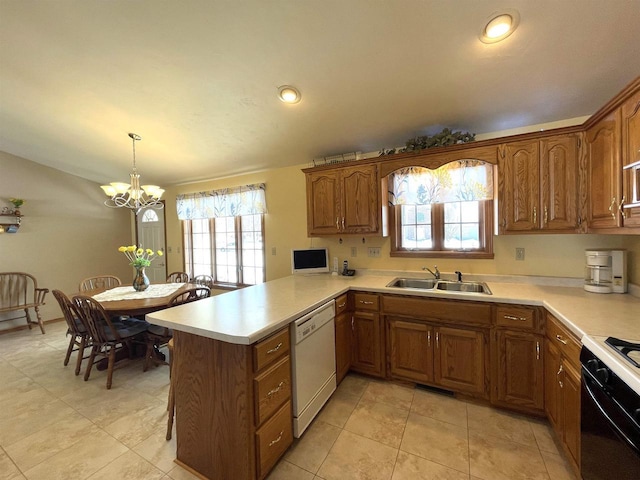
column 444, row 138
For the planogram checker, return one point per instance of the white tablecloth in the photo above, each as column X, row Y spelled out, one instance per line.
column 128, row 293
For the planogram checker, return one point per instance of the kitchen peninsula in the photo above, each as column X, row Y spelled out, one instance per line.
column 226, row 429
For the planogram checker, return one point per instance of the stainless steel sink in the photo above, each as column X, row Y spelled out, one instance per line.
column 468, row 287
column 421, row 283
column 444, row 285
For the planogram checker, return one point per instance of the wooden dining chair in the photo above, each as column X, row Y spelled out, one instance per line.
column 79, row 333
column 107, row 336
column 206, row 280
column 178, row 277
column 158, row 336
column 103, row 282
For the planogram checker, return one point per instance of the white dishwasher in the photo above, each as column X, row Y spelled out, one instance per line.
column 313, row 364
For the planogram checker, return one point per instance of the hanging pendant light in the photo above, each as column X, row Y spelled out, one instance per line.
column 132, row 195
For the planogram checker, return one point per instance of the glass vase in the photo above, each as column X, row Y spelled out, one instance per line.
column 140, row 281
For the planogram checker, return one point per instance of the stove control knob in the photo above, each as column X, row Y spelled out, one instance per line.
column 592, row 365
column 602, row 374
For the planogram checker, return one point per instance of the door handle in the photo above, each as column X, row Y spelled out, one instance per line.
column 342, row 223
column 546, row 215
column 613, row 202
column 535, row 215
column 537, row 350
column 623, row 214
column 437, row 339
column 429, row 338
column 338, row 223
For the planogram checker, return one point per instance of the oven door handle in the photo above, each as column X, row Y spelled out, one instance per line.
column 587, row 382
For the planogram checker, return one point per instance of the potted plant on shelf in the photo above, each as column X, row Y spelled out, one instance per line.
column 17, row 203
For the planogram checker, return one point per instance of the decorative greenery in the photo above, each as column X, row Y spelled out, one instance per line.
column 138, row 256
column 442, row 139
column 17, row 202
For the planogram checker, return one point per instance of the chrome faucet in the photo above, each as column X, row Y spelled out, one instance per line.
column 436, row 274
column 459, row 274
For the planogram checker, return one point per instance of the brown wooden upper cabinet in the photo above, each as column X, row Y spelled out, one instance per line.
column 538, row 185
column 604, row 173
column 631, row 160
column 344, row 200
column 613, row 164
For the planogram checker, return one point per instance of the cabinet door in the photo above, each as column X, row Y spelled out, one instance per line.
column 559, row 183
column 367, row 342
column 411, row 355
column 519, row 179
column 343, row 345
column 359, row 199
column 519, row 379
column 459, row 359
column 631, row 154
column 552, row 374
column 571, row 411
column 604, row 173
column 323, row 216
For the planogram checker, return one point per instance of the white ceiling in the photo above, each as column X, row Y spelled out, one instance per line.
column 197, row 79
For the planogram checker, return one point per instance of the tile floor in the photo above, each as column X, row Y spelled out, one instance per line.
column 53, row 425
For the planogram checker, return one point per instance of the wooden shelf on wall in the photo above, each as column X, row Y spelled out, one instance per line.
column 10, row 222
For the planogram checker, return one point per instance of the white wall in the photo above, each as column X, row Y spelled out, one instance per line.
column 67, row 234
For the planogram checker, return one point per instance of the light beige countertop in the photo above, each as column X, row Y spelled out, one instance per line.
column 246, row 316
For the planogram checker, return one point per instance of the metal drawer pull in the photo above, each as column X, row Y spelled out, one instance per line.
column 517, row 319
column 537, row 350
column 561, row 340
column 275, row 390
column 273, row 442
column 366, row 303
column 342, row 305
column 274, row 349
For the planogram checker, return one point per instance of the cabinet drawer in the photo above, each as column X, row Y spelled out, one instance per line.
column 430, row 309
column 365, row 301
column 272, row 439
column 341, row 304
column 563, row 340
column 270, row 349
column 272, row 389
column 516, row 317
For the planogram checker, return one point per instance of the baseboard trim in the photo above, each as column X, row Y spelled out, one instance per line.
column 26, row 327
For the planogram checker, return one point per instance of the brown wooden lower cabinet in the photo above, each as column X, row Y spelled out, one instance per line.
column 518, row 377
column 452, row 358
column 459, row 362
column 233, row 405
column 367, row 354
column 410, row 352
column 343, row 345
column 562, row 387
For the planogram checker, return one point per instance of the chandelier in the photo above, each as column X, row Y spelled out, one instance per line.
column 132, row 195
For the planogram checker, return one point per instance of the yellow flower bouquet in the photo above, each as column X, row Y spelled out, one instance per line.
column 138, row 256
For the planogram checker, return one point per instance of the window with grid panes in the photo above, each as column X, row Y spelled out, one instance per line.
column 230, row 249
column 443, row 212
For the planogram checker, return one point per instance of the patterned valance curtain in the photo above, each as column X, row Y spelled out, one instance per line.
column 459, row 181
column 228, row 202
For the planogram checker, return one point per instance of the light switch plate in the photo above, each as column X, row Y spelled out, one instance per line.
column 519, row 253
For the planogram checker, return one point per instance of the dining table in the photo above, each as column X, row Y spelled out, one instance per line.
column 126, row 301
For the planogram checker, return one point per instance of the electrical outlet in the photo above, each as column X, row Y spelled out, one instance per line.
column 169, row 250
column 273, row 250
column 519, row 253
column 354, row 251
column 374, row 252
column 335, row 264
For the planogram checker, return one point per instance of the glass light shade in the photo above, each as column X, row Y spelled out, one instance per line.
column 121, row 187
column 109, row 190
column 150, row 189
column 498, row 26
column 158, row 193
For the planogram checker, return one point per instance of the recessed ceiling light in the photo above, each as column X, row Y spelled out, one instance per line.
column 289, row 94
column 500, row 26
